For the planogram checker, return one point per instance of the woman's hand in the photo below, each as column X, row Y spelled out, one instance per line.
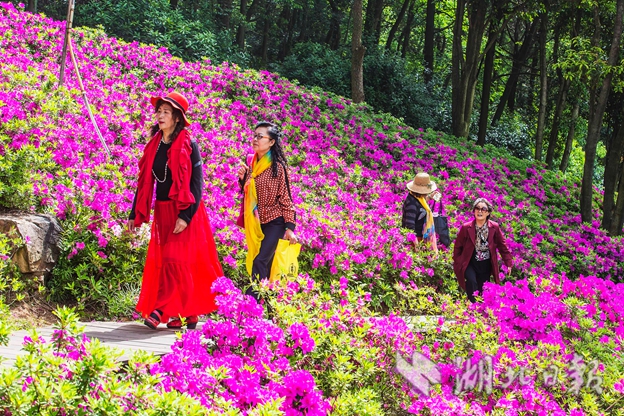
column 290, row 236
column 180, row 225
column 241, row 172
column 131, row 227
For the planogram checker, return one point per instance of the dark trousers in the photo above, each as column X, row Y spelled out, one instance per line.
column 273, row 231
column 476, row 274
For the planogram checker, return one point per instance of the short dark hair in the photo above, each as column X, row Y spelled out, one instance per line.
column 483, row 201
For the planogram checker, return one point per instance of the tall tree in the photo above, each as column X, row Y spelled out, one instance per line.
column 597, row 104
column 565, row 158
column 428, row 50
column 465, row 67
column 335, row 23
column 617, row 222
column 615, row 151
column 406, row 35
column 488, row 69
column 357, row 51
column 563, row 83
column 397, row 23
column 519, row 59
column 32, row 6
column 241, row 31
column 372, row 24
column 543, row 102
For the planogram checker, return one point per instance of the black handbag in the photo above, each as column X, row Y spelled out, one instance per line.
column 441, row 227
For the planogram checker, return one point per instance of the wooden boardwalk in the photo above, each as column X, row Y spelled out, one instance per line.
column 134, row 336
column 126, row 336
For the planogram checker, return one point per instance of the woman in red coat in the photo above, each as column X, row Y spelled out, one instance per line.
column 474, row 256
column 182, row 261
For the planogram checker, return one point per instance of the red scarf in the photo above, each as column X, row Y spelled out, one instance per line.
column 180, row 169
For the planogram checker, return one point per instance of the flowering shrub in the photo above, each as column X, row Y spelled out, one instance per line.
column 70, row 374
column 243, row 359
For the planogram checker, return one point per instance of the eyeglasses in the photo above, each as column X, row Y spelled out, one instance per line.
column 482, row 209
column 259, row 137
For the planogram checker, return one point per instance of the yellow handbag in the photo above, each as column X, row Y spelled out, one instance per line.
column 285, row 261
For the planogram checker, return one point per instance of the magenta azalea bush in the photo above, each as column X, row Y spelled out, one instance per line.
column 546, row 341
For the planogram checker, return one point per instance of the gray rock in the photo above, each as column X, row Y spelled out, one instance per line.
column 41, row 234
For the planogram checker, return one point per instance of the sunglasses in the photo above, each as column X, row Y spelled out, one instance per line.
column 482, row 209
column 259, row 137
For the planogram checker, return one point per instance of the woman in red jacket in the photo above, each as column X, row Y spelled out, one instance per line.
column 182, row 261
column 474, row 256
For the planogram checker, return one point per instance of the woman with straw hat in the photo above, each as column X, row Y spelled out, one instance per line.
column 417, row 215
column 182, row 261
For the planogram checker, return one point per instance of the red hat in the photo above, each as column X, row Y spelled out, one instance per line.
column 177, row 100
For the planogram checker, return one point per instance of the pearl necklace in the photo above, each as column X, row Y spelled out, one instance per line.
column 166, row 165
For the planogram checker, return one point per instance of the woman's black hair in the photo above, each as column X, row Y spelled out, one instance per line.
column 277, row 152
column 176, row 113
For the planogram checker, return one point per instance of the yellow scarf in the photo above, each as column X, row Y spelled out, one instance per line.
column 253, row 232
column 428, row 227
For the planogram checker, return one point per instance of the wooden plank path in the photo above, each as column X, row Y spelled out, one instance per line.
column 126, row 336
column 134, row 336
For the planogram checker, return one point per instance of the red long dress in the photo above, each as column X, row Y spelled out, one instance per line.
column 180, row 268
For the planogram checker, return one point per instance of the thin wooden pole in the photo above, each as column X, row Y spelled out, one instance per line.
column 86, row 100
column 68, row 25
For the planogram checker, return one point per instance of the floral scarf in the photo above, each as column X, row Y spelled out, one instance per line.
column 429, row 234
column 482, row 247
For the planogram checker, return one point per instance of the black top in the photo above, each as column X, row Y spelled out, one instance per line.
column 163, row 188
column 414, row 215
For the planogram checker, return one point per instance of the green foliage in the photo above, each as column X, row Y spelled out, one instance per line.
column 17, row 169
column 511, row 133
column 153, row 22
column 69, row 376
column 101, row 275
column 14, row 287
column 346, row 360
column 389, row 85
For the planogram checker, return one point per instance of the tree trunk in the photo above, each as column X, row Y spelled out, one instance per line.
column 333, row 34
column 32, row 6
column 428, row 51
column 488, row 69
column 290, row 18
column 407, row 30
column 466, row 69
column 554, row 130
column 519, row 59
column 595, row 119
column 397, row 23
column 357, row 59
column 265, row 41
column 617, row 221
column 241, row 31
column 372, row 25
column 565, row 158
column 224, row 13
column 173, row 4
column 612, row 168
column 541, row 116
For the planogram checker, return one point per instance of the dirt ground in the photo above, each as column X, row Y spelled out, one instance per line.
column 34, row 312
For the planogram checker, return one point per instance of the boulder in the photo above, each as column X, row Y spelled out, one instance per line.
column 41, row 234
